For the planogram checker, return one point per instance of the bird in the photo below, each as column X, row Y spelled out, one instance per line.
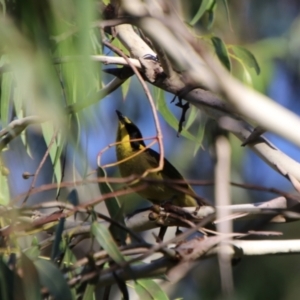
column 158, row 193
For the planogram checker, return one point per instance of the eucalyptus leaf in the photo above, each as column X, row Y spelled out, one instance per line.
column 114, row 208
column 149, row 289
column 89, row 292
column 52, row 278
column 221, row 51
column 247, row 57
column 202, row 8
column 30, row 279
column 106, row 241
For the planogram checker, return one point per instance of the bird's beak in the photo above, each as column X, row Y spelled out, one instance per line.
column 120, row 116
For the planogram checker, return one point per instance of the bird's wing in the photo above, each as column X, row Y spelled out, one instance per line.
column 169, row 171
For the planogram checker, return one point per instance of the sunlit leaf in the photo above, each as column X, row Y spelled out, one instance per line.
column 6, row 95
column 200, row 134
column 89, row 292
column 247, row 77
column 69, row 257
column 106, row 241
column 34, row 250
column 4, row 187
column 247, row 57
column 48, row 133
column 221, row 51
column 191, row 117
column 149, row 289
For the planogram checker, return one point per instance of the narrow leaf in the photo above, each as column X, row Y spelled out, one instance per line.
column 202, row 8
column 113, row 207
column 106, row 241
column 125, row 87
column 211, row 15
column 247, row 57
column 149, row 289
column 30, row 279
column 200, row 134
column 192, row 117
column 4, row 188
column 89, row 292
column 58, row 237
column 227, row 11
column 48, row 132
column 6, row 93
column 221, row 52
column 52, row 278
column 34, row 250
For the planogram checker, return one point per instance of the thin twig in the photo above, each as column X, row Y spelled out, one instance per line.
column 121, row 142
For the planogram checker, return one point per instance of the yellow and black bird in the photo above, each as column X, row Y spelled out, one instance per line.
column 158, row 193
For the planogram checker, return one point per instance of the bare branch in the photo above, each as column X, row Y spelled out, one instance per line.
column 16, row 127
column 223, row 198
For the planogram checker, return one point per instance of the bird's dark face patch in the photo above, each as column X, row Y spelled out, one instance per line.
column 134, row 133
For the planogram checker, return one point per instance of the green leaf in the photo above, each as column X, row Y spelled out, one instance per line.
column 247, row 57
column 4, row 187
column 52, row 278
column 6, row 94
column 149, row 289
column 48, row 132
column 34, row 250
column 69, row 257
column 192, row 117
column 200, row 133
column 247, row 77
column 221, row 52
column 7, row 80
column 114, row 208
column 211, row 15
column 18, row 105
column 89, row 292
column 58, row 237
column 30, row 279
column 106, row 241
column 202, row 8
